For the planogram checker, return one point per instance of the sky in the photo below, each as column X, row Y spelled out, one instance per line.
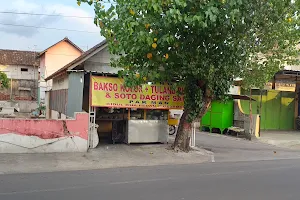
column 27, row 38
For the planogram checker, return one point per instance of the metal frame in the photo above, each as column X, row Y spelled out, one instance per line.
column 92, row 123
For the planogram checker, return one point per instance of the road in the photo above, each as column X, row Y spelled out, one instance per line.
column 227, row 148
column 267, row 180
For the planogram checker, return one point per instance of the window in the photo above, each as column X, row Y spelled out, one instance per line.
column 24, row 69
column 136, row 113
column 157, row 114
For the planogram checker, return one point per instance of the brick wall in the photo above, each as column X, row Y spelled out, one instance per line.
column 21, row 90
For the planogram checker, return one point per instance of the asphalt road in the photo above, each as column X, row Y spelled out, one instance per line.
column 267, row 180
column 227, row 148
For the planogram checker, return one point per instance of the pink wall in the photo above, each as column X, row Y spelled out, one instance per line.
column 47, row 129
column 58, row 56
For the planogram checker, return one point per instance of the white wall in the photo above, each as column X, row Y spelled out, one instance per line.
column 42, row 87
column 234, row 90
column 60, row 82
column 103, row 56
column 55, row 115
column 14, row 143
column 20, row 105
column 100, row 62
column 19, row 72
column 47, row 102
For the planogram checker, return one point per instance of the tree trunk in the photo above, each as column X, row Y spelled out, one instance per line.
column 182, row 139
column 206, row 105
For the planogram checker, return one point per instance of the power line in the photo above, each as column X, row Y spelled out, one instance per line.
column 50, row 15
column 50, row 28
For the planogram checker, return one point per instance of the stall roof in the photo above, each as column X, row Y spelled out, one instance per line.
column 242, row 97
column 96, row 73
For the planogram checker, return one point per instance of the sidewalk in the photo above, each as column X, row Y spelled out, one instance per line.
column 284, row 139
column 106, row 156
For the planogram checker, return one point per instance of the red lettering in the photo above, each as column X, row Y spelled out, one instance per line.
column 177, row 98
column 153, row 97
column 95, row 86
column 106, row 86
column 122, row 96
column 122, row 88
column 115, row 87
column 100, row 86
column 147, row 97
column 127, row 96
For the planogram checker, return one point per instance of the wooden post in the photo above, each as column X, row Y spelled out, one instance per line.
column 273, row 83
column 296, row 104
column 128, row 114
column 250, row 113
column 260, row 106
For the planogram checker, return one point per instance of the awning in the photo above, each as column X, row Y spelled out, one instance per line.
column 242, row 97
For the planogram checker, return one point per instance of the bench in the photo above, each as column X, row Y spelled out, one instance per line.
column 236, row 130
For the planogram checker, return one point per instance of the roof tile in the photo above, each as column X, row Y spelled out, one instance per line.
column 15, row 57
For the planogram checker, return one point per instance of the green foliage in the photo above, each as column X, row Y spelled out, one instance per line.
column 4, row 80
column 212, row 41
column 41, row 108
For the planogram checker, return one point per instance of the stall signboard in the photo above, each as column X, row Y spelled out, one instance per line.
column 282, row 86
column 285, row 86
column 111, row 92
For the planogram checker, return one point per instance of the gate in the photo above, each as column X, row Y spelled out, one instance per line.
column 278, row 109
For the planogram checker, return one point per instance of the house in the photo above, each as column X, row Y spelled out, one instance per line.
column 21, row 67
column 52, row 59
column 96, row 59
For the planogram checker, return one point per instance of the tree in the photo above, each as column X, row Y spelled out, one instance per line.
column 4, row 80
column 202, row 44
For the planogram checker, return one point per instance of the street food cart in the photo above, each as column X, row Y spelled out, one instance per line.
column 173, row 120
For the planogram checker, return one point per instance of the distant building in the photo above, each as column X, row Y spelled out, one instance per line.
column 21, row 67
column 52, row 59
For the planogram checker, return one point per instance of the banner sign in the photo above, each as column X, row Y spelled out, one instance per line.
column 282, row 86
column 111, row 92
column 285, row 86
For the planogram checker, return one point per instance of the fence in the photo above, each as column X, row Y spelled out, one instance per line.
column 59, row 100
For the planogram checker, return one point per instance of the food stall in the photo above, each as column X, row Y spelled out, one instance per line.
column 132, row 115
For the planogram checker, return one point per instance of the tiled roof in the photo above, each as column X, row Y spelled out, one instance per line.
column 15, row 57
